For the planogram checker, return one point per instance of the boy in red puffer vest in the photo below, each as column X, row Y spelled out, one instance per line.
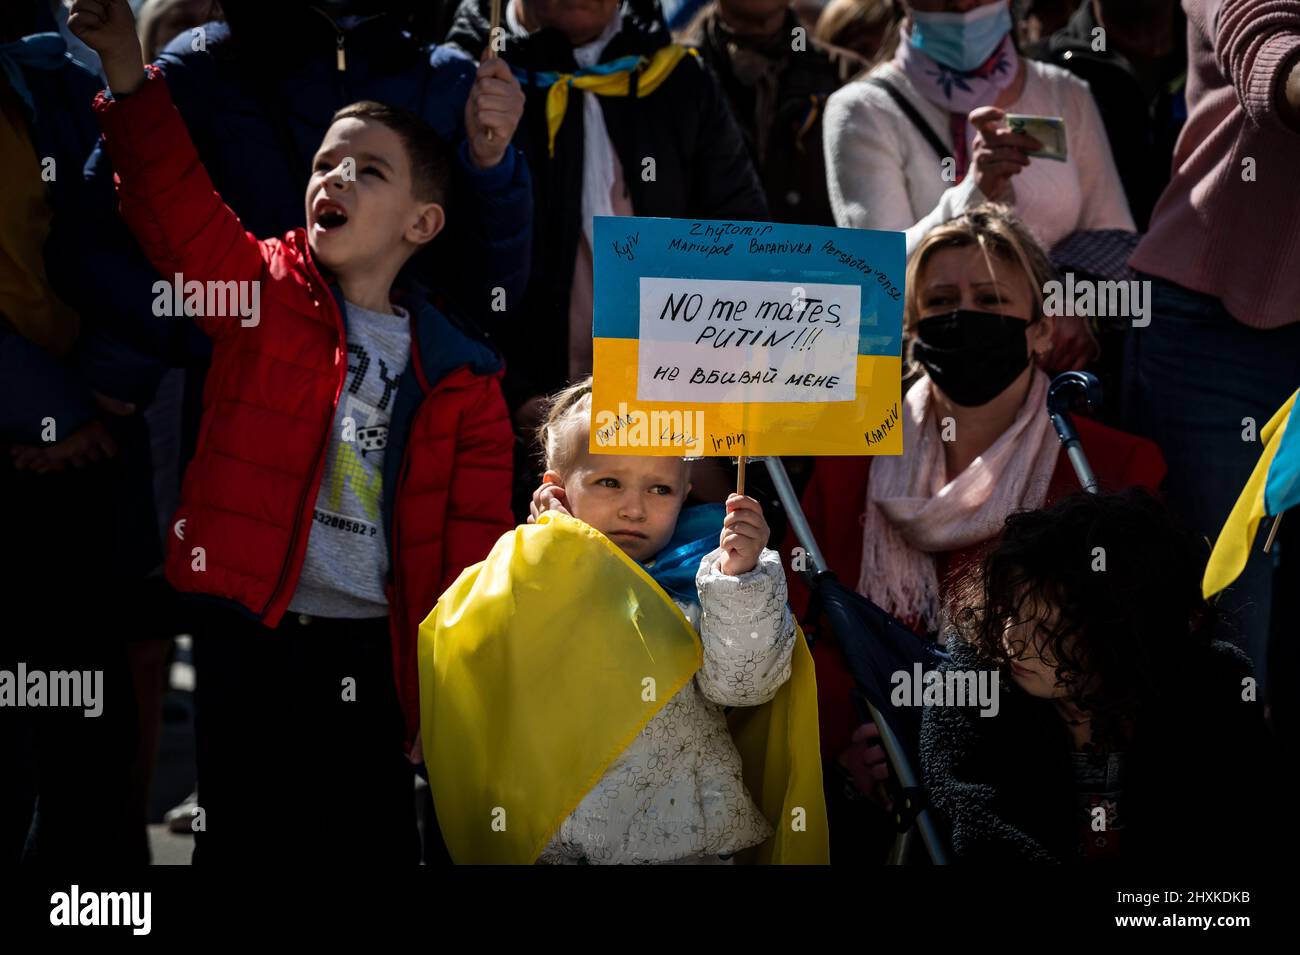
column 354, row 457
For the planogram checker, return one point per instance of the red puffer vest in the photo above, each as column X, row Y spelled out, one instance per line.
column 245, row 512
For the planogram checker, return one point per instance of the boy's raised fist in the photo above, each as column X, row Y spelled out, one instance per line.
column 108, row 28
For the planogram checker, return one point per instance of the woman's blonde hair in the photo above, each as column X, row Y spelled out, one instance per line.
column 997, row 232
column 149, row 20
column 843, row 20
column 565, row 427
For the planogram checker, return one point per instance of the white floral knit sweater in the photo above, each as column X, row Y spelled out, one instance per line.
column 676, row 793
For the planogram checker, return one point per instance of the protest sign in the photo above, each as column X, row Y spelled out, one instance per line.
column 745, row 338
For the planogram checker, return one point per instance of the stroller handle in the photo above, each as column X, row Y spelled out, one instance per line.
column 1060, row 394
column 794, row 513
column 896, row 752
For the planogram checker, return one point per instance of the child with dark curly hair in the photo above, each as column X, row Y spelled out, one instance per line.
column 1116, row 698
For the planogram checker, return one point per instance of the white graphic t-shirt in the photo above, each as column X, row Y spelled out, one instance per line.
column 347, row 556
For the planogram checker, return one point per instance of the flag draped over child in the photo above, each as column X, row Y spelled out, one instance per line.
column 540, row 665
column 1274, row 487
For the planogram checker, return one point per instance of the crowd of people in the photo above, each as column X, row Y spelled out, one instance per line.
column 410, row 190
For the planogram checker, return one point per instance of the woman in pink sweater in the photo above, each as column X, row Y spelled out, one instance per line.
column 1222, row 350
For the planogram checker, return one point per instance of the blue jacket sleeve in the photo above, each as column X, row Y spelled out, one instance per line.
column 103, row 273
column 487, row 243
column 490, row 232
column 91, row 260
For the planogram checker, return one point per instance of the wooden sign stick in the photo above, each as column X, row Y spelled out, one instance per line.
column 491, row 47
column 492, row 32
column 740, row 475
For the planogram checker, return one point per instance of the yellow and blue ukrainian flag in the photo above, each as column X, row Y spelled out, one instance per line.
column 540, row 665
column 1274, row 487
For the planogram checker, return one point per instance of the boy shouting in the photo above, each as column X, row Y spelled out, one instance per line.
column 354, row 456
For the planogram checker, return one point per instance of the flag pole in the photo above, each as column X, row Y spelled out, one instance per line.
column 1272, row 532
column 491, row 47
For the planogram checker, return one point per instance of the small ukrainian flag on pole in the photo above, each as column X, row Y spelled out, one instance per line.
column 1274, row 486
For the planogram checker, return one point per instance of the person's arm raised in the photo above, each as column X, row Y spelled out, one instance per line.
column 1257, row 46
column 108, row 28
column 1289, row 93
column 746, row 629
column 165, row 195
column 484, row 253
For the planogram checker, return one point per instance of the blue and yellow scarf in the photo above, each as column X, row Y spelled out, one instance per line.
column 604, row 79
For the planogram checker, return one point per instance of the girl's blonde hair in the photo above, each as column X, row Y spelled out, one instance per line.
column 997, row 232
column 564, row 430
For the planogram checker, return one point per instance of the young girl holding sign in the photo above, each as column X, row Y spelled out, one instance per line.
column 608, row 635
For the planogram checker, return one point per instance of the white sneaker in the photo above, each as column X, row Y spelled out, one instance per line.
column 180, row 819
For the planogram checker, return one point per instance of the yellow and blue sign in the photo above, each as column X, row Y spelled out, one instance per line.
column 753, row 338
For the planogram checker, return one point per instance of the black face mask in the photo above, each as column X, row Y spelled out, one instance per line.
column 971, row 356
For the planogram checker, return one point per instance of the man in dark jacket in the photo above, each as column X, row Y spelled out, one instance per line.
column 674, row 151
column 80, row 482
column 1134, row 56
column 777, row 79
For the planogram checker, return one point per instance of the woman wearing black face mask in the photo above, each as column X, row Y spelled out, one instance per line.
column 977, row 446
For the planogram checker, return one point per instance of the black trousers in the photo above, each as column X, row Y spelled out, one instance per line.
column 299, row 743
column 65, row 783
column 70, row 605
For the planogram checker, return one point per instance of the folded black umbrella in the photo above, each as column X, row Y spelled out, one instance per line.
column 876, row 645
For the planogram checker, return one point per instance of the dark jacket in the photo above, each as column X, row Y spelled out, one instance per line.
column 35, row 385
column 1142, row 120
column 1004, row 786
column 792, row 165
column 702, row 170
column 257, row 126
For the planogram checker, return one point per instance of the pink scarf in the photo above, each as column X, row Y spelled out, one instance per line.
column 958, row 93
column 914, row 511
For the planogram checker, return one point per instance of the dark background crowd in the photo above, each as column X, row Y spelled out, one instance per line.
column 1184, row 125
